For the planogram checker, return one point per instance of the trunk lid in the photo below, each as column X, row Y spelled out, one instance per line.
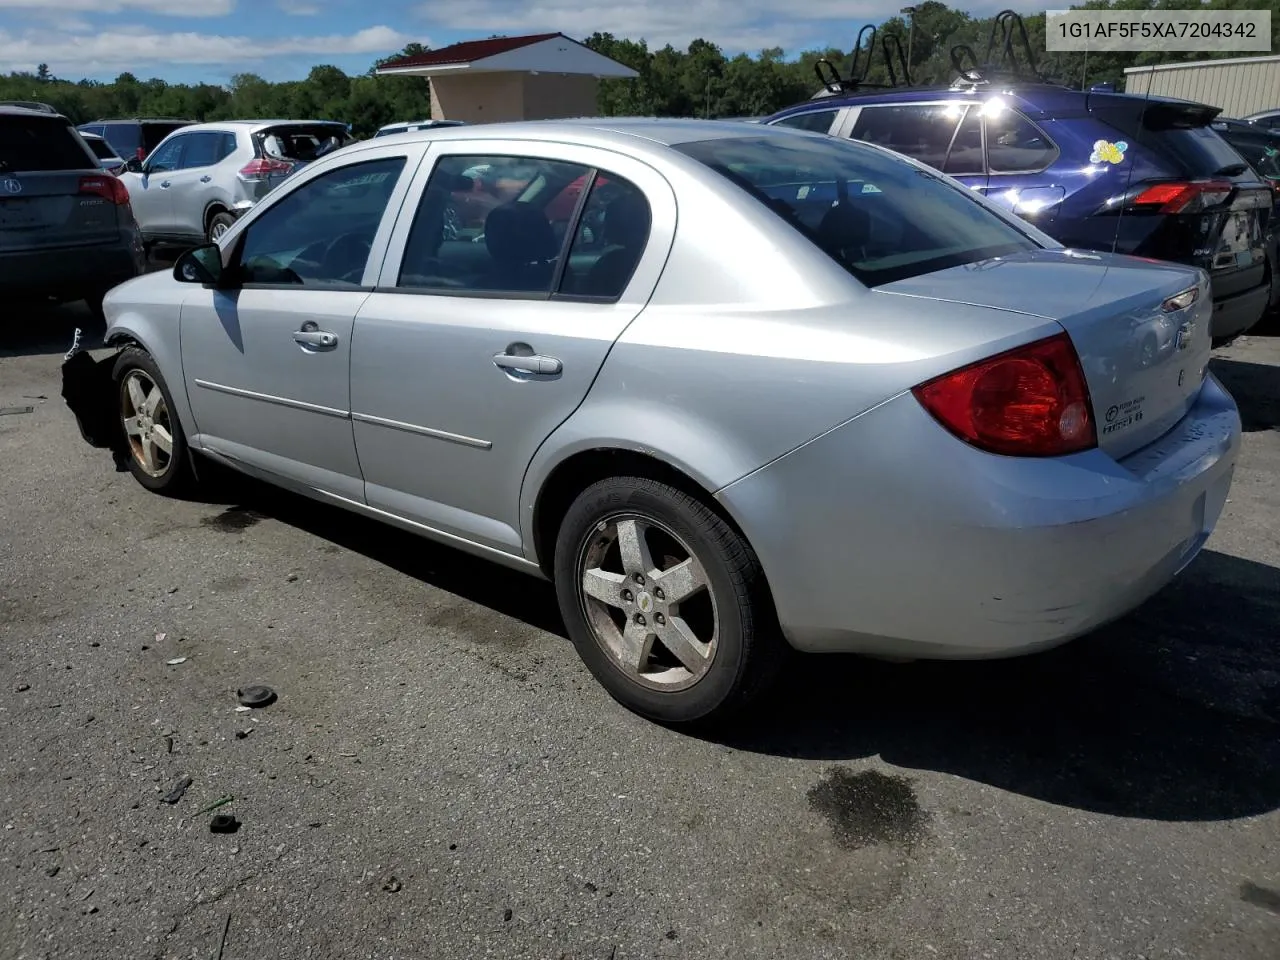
column 42, row 205
column 1144, row 364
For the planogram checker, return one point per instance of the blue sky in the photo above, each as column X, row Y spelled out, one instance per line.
column 210, row 40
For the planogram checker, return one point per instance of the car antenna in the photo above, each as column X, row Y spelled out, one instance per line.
column 860, row 65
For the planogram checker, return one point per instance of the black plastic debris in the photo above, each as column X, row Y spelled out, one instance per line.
column 179, row 789
column 256, row 696
column 392, row 885
column 90, row 392
column 10, row 411
column 224, row 823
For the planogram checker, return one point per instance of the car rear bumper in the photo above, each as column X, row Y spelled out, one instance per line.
column 1236, row 314
column 888, row 536
column 68, row 273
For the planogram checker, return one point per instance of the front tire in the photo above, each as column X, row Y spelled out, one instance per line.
column 665, row 602
column 151, row 435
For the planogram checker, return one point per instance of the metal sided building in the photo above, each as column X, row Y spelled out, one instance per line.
column 1240, row 86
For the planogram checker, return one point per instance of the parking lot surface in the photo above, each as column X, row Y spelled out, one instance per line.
column 441, row 778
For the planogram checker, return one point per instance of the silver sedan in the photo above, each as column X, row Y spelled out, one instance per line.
column 732, row 388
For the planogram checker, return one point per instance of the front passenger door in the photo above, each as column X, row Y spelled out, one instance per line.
column 267, row 357
column 149, row 190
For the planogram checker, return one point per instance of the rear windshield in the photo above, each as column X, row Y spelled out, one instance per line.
column 36, row 143
column 304, row 142
column 879, row 217
column 1194, row 150
column 101, row 149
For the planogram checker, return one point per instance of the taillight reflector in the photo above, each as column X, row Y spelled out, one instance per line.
column 1031, row 401
column 264, row 167
column 1184, row 196
column 107, row 187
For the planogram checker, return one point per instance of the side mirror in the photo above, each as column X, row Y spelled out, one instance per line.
column 133, row 165
column 202, row 264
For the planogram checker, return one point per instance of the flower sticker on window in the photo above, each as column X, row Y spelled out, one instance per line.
column 1104, row 151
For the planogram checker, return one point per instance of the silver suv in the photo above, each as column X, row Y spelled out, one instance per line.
column 200, row 178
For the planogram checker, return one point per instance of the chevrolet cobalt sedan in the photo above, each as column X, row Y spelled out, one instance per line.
column 751, row 388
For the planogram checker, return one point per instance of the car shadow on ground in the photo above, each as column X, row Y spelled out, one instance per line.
column 1171, row 714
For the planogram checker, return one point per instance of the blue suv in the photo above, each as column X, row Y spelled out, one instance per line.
column 1098, row 170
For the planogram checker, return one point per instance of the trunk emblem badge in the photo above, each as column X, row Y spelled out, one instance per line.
column 11, row 186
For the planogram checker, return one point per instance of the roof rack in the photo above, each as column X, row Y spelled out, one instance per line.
column 891, row 48
column 1008, row 24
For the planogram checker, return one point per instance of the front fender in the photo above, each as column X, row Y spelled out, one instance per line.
column 163, row 342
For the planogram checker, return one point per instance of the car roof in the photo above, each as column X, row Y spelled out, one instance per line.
column 597, row 131
column 27, row 112
column 142, row 120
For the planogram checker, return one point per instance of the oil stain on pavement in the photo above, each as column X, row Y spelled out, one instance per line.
column 1261, row 897
column 233, row 520
column 868, row 808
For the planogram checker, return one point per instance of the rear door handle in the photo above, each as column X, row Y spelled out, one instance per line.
column 206, row 178
column 534, row 364
column 164, row 184
column 316, row 339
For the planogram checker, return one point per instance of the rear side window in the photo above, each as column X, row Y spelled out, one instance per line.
column 1016, row 145
column 609, row 239
column 965, row 157
column 923, row 132
column 819, row 121
column 879, row 218
column 101, row 149
column 36, row 143
column 126, row 138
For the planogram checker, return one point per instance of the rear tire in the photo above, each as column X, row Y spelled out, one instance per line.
column 151, row 436
column 219, row 225
column 665, row 602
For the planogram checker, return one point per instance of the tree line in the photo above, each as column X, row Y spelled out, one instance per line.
column 697, row 81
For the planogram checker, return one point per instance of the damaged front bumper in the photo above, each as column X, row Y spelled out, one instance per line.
column 89, row 389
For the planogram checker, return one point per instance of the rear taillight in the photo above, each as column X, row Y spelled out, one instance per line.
column 264, row 167
column 106, row 186
column 1029, row 402
column 1185, row 196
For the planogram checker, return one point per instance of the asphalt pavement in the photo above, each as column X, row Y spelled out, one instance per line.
column 441, row 778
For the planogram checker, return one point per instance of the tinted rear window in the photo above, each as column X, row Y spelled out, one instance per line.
column 153, row 133
column 879, row 217
column 1193, row 151
column 34, row 143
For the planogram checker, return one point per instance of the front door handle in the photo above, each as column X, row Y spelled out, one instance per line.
column 164, row 184
column 316, row 339
column 533, row 364
column 206, row 178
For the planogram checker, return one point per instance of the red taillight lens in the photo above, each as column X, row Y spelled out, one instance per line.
column 1029, row 402
column 1184, row 196
column 107, row 187
column 264, row 167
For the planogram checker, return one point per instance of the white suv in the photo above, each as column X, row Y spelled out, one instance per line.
column 200, row 178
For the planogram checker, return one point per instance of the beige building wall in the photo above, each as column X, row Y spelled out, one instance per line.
column 497, row 97
column 1240, row 87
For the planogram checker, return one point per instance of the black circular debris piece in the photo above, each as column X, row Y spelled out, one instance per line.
column 224, row 823
column 256, row 695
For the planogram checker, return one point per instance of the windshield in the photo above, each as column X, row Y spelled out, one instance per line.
column 879, row 217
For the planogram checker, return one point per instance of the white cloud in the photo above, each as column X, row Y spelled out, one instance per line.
column 138, row 48
column 172, row 8
column 734, row 25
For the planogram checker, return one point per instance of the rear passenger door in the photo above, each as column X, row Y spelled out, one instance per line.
column 491, row 321
column 1019, row 154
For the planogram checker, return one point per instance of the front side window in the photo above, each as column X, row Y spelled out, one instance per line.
column 922, row 131
column 819, row 121
column 320, row 234
column 1015, row 144
column 878, row 217
column 491, row 225
column 168, row 156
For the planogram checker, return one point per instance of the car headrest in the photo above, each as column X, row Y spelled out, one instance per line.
column 519, row 233
column 845, row 225
column 626, row 220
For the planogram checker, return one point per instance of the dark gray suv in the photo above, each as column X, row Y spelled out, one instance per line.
column 66, row 228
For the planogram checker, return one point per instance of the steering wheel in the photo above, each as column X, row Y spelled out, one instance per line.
column 349, row 248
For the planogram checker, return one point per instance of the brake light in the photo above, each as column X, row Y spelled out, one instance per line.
column 264, row 167
column 106, row 186
column 1184, row 196
column 1031, row 401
